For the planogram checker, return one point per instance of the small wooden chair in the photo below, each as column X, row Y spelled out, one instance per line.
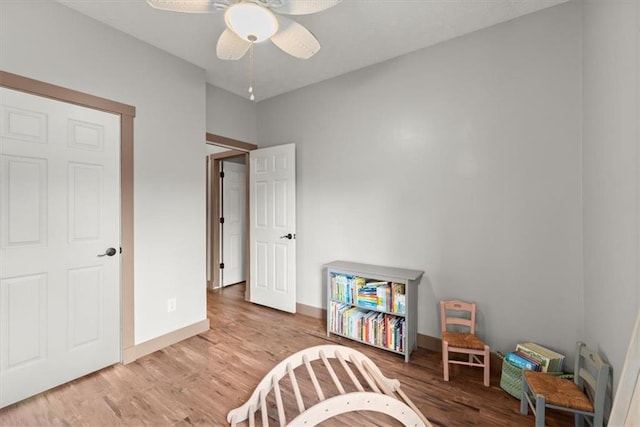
column 585, row 395
column 462, row 342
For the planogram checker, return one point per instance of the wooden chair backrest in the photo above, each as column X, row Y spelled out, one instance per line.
column 466, row 309
column 591, row 374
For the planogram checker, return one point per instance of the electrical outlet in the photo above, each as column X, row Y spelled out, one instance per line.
column 171, row 305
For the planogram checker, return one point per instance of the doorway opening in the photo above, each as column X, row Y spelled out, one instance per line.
column 227, row 216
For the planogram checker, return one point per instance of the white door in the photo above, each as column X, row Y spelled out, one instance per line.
column 59, row 196
column 272, row 190
column 233, row 229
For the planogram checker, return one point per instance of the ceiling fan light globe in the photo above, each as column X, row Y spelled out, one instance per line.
column 251, row 22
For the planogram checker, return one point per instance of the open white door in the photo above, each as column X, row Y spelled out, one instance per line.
column 272, row 190
column 60, row 239
column 233, row 228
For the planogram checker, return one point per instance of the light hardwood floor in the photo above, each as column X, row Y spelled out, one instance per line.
column 200, row 379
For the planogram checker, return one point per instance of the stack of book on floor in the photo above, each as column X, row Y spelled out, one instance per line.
column 522, row 360
column 529, row 356
column 548, row 360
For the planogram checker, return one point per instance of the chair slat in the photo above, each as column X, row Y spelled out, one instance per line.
column 335, row 379
column 588, row 378
column 263, row 409
column 252, row 416
column 296, row 389
column 349, row 372
column 385, row 389
column 278, row 396
column 314, row 380
column 365, row 375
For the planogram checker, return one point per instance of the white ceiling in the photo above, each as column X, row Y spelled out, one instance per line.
column 353, row 35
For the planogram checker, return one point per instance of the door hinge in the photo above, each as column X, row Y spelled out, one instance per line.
column 222, row 265
column 222, row 174
column 221, row 220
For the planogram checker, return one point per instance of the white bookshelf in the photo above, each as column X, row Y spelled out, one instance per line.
column 374, row 273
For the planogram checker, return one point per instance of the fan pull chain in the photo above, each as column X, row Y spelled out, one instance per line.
column 252, row 97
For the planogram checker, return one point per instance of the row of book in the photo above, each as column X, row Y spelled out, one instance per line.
column 343, row 287
column 383, row 296
column 371, row 327
column 534, row 357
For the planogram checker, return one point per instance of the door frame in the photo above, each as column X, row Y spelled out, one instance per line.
column 236, row 148
column 127, row 113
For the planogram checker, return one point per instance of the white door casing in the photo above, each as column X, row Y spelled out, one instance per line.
column 60, row 209
column 625, row 410
column 272, row 191
column 233, row 230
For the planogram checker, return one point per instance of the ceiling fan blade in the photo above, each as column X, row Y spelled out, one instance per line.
column 230, row 46
column 303, row 7
column 189, row 6
column 295, row 39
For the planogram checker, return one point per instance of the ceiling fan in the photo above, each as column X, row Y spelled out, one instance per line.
column 253, row 21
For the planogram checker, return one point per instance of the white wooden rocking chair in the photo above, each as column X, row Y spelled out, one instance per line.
column 379, row 394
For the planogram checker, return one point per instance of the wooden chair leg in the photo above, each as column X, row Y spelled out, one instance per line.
column 579, row 420
column 445, row 361
column 487, row 370
column 540, row 410
column 524, row 403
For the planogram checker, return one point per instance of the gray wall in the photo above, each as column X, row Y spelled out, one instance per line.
column 462, row 160
column 231, row 116
column 611, row 116
column 47, row 41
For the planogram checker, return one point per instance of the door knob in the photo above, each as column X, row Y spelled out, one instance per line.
column 288, row 236
column 109, row 252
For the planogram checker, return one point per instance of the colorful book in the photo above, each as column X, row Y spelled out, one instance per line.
column 529, row 358
column 383, row 297
column 357, row 283
column 398, row 298
column 521, row 362
column 549, row 360
column 368, row 296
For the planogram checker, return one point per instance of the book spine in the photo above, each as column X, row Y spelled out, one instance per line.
column 544, row 362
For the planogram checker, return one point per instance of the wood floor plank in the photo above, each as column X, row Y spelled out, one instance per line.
column 199, row 380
